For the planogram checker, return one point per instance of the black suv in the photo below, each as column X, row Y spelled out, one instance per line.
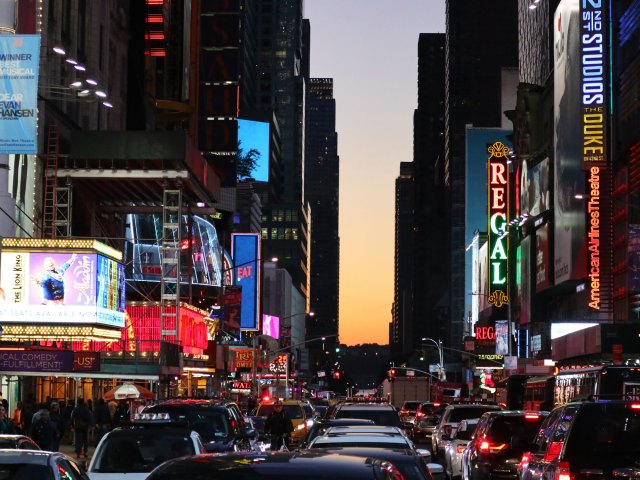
column 498, row 442
column 589, row 440
column 220, row 424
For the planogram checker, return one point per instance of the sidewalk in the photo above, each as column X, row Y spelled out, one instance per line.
column 70, row 450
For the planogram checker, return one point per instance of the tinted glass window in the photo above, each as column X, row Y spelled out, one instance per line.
column 380, row 417
column 542, row 438
column 24, row 471
column 308, row 411
column 7, row 443
column 518, row 432
column 463, row 413
column 140, row 451
column 466, row 432
column 411, row 405
column 603, row 434
column 292, row 411
column 359, row 443
column 209, row 423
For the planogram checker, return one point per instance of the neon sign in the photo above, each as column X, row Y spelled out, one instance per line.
column 593, row 217
column 593, row 81
column 485, row 333
column 498, row 203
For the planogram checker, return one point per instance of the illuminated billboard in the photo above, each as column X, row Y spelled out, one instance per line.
column 498, row 211
column 271, row 326
column 253, row 143
column 19, row 61
column 594, row 66
column 245, row 250
column 61, row 287
column 569, row 179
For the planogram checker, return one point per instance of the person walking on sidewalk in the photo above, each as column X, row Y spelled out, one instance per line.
column 58, row 425
column 81, row 421
column 6, row 424
column 42, row 430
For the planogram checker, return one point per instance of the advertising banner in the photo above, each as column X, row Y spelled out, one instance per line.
column 245, row 250
column 502, row 337
column 253, row 143
column 534, row 188
column 271, row 326
column 542, row 258
column 19, row 61
column 62, row 287
column 525, row 280
column 569, row 179
column 634, row 258
column 36, row 361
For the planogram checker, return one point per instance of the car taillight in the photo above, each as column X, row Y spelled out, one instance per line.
column 563, row 472
column 489, row 447
column 460, row 448
column 531, row 416
column 635, row 406
column 420, row 414
column 436, row 404
column 524, row 460
column 553, row 452
column 404, row 412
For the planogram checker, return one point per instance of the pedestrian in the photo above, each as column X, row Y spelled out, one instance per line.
column 66, row 417
column 29, row 409
column 81, row 421
column 58, row 425
column 102, row 418
column 42, row 430
column 18, row 419
column 279, row 426
column 6, row 424
column 121, row 416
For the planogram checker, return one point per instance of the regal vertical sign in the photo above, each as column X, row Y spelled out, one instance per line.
column 498, row 210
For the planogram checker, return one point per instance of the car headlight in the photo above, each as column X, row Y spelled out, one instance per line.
column 309, row 422
column 301, row 426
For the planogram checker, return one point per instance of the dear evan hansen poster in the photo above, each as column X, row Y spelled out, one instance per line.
column 19, row 60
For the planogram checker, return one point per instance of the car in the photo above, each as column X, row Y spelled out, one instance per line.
column 381, row 414
column 374, row 440
column 137, row 449
column 295, row 410
column 453, row 450
column 281, row 465
column 411, row 465
column 20, row 442
column 498, row 442
column 37, row 464
column 408, row 410
column 433, row 409
column 451, row 417
column 586, row 440
column 321, row 426
column 220, row 424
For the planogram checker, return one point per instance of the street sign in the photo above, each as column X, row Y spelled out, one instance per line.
column 433, row 368
column 411, row 373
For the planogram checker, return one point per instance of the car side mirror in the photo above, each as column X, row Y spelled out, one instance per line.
column 424, row 453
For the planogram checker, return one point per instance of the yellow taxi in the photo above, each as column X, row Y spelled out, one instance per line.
column 294, row 409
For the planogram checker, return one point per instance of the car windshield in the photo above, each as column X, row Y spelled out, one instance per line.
column 463, row 413
column 379, row 417
column 411, row 405
column 604, row 434
column 24, row 470
column 467, row 432
column 516, row 431
column 294, row 412
column 140, row 451
column 344, row 442
column 209, row 423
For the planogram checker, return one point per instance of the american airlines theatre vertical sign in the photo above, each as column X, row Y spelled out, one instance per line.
column 498, row 210
column 593, row 79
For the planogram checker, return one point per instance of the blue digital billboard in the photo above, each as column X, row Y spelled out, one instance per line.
column 245, row 250
column 253, row 141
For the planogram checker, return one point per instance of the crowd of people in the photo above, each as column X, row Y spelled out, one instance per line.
column 51, row 423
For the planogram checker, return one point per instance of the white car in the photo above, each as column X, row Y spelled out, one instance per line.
column 371, row 440
column 453, row 450
column 132, row 452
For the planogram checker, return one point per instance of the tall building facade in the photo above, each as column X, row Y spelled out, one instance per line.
column 475, row 59
column 321, row 179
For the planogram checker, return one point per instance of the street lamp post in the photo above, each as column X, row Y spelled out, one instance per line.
column 442, row 374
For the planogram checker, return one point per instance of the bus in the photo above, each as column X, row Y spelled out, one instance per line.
column 606, row 382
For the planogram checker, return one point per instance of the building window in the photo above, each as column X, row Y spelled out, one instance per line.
column 281, row 234
column 265, row 234
column 294, row 233
column 288, row 235
column 274, row 233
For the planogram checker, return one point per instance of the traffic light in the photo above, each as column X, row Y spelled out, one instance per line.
column 336, row 375
column 391, row 373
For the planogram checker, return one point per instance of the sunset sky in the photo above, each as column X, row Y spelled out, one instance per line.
column 370, row 49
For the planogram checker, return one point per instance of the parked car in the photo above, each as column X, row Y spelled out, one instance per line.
column 20, row 442
column 408, row 410
column 423, row 429
column 451, row 417
column 37, row 464
column 453, row 450
column 281, row 465
column 321, row 426
column 586, row 441
column 220, row 424
column 498, row 443
column 135, row 451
